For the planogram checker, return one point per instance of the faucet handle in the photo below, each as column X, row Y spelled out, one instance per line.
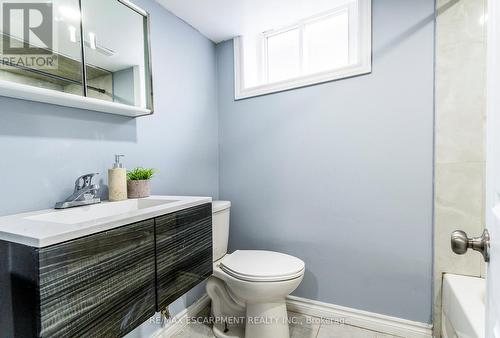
column 84, row 181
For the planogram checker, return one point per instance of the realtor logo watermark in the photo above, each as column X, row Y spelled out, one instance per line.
column 28, row 35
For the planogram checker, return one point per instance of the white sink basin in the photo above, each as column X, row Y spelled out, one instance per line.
column 97, row 211
column 48, row 227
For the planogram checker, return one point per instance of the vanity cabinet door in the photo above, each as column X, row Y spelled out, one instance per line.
column 102, row 285
column 183, row 252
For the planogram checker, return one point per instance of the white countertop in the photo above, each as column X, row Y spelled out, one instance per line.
column 48, row 227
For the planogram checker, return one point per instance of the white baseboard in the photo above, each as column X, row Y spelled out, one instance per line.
column 363, row 319
column 179, row 321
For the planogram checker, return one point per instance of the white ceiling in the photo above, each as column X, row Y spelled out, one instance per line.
column 220, row 20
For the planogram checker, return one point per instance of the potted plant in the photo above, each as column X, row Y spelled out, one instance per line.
column 139, row 182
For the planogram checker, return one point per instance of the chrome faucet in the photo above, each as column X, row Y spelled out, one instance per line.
column 85, row 193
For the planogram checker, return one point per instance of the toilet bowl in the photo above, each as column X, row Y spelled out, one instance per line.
column 248, row 288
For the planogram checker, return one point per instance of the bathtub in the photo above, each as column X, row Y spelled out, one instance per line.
column 463, row 307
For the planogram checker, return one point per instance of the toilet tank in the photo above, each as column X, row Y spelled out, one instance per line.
column 220, row 228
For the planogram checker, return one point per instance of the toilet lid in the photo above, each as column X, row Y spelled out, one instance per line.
column 262, row 266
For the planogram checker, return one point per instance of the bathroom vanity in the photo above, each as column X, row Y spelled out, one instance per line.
column 100, row 270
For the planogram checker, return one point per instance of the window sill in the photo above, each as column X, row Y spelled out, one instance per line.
column 304, row 81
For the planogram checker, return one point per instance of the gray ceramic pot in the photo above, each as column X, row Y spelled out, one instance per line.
column 139, row 188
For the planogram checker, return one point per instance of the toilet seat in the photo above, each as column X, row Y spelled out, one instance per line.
column 262, row 266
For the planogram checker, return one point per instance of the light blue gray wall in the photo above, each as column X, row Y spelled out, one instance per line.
column 340, row 174
column 44, row 147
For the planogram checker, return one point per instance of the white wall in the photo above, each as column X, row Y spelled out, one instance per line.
column 460, row 136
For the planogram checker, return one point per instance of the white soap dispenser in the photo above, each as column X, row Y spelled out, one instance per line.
column 117, row 181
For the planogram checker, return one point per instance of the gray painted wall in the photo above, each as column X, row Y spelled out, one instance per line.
column 44, row 147
column 340, row 174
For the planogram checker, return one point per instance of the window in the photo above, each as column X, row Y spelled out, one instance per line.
column 283, row 55
column 328, row 46
column 326, row 43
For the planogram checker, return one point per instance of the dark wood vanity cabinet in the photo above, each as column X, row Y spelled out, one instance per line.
column 183, row 252
column 101, row 285
column 105, row 284
column 98, row 286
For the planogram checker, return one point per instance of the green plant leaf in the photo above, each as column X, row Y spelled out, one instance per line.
column 141, row 174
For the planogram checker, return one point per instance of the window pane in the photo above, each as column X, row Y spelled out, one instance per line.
column 252, row 54
column 326, row 43
column 283, row 56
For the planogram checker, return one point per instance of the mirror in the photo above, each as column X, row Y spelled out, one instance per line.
column 48, row 61
column 116, row 52
column 81, row 49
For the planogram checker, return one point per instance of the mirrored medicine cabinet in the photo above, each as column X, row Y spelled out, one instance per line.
column 89, row 54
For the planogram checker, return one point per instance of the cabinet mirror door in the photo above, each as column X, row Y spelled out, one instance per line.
column 40, row 45
column 116, row 51
column 90, row 54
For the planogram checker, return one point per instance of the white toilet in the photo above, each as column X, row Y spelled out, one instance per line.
column 248, row 287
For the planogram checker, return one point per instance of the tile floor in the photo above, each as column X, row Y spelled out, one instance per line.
column 300, row 327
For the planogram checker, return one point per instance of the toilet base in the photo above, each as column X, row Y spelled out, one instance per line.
column 267, row 320
column 260, row 320
column 225, row 309
column 233, row 331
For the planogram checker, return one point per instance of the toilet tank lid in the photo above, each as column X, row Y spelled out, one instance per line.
column 220, row 206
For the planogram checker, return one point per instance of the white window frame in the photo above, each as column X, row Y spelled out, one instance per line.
column 360, row 32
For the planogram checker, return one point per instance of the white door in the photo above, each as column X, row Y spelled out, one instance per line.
column 493, row 171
